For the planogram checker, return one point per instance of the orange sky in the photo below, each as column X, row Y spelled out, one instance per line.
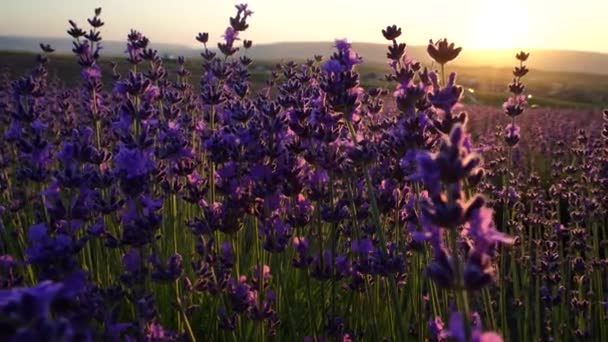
column 554, row 24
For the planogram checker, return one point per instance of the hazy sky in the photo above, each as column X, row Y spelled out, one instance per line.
column 559, row 24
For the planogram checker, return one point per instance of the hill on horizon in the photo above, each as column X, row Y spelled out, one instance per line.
column 541, row 59
column 548, row 60
column 64, row 46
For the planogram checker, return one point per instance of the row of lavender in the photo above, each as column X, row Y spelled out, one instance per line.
column 309, row 210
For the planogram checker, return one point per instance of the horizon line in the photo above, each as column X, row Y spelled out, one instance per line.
column 194, row 44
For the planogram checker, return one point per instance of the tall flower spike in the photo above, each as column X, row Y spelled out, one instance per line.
column 479, row 271
column 517, row 102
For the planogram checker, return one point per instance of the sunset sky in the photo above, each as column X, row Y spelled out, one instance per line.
column 550, row 24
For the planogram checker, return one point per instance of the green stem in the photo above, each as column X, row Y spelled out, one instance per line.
column 183, row 312
column 376, row 217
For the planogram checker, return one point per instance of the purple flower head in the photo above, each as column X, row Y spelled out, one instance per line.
column 349, row 57
column 175, row 266
column 74, row 284
column 302, row 212
column 345, row 56
column 37, row 232
column 230, row 35
column 511, row 130
column 54, row 254
column 333, row 66
column 515, row 105
column 408, row 162
column 140, row 219
column 264, row 271
column 343, row 265
column 300, row 244
column 522, row 56
column 203, row 37
column 6, row 262
column 483, row 232
column 478, row 335
column 456, row 327
column 453, row 161
column 243, row 8
column 95, row 22
column 431, row 233
column 92, row 72
column 156, row 332
column 173, row 144
column 136, row 44
column 391, row 32
column 227, row 255
column 364, row 246
column 512, row 134
column 195, row 178
column 442, row 51
column 276, row 234
column 239, row 22
column 132, row 261
column 170, row 271
column 486, row 336
column 152, row 93
column 319, row 176
column 436, row 328
column 302, row 259
column 75, row 31
column 446, row 98
column 41, row 296
column 342, row 45
column 242, row 295
column 133, row 162
column 560, row 230
column 14, row 130
column 261, row 276
column 509, row 194
column 428, row 172
column 39, row 302
column 137, row 85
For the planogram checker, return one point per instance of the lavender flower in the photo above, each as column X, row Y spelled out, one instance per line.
column 153, row 209
column 516, row 104
column 442, row 51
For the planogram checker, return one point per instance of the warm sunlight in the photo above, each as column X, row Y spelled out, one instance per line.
column 303, row 170
column 499, row 24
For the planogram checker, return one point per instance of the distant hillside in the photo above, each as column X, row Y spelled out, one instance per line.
column 487, row 85
column 550, row 60
column 64, row 45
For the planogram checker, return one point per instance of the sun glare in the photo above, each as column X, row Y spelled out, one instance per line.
column 499, row 24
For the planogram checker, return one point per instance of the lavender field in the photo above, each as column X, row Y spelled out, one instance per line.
column 155, row 204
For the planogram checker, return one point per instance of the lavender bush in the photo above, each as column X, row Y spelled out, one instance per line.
column 153, row 209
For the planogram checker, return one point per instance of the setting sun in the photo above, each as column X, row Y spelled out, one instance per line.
column 499, row 24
